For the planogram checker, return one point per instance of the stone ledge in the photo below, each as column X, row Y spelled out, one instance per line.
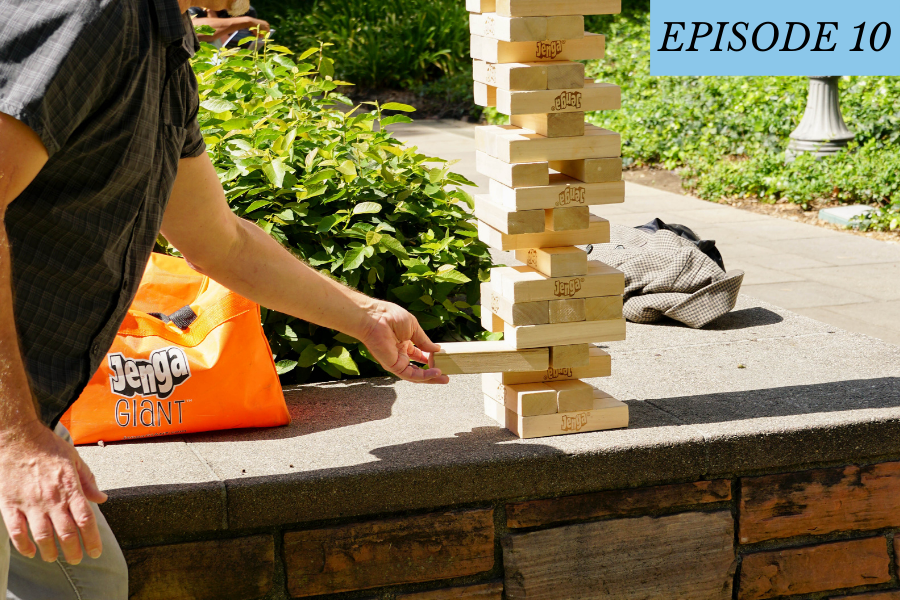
column 764, row 390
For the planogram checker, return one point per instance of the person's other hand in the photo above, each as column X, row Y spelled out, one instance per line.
column 45, row 487
column 225, row 27
column 395, row 338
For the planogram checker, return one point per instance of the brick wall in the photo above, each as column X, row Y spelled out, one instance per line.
column 824, row 533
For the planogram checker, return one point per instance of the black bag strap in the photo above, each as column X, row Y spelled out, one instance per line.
column 182, row 318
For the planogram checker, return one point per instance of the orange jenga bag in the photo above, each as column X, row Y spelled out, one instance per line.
column 190, row 356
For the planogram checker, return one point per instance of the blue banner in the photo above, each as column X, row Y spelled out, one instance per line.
column 775, row 37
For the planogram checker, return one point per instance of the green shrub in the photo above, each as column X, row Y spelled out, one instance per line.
column 342, row 194
column 381, row 43
column 727, row 135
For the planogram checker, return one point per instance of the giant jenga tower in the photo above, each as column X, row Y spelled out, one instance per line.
column 546, row 169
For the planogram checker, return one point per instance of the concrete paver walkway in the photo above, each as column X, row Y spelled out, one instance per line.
column 841, row 279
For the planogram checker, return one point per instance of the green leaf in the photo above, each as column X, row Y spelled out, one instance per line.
column 327, row 223
column 257, row 204
column 394, row 246
column 354, row 257
column 344, row 338
column 372, row 238
column 452, row 276
column 217, row 105
column 398, row 106
column 395, row 119
column 285, row 366
column 323, row 175
column 312, row 355
column 407, row 293
column 275, row 172
column 340, row 358
column 365, row 208
column 348, row 168
column 235, row 124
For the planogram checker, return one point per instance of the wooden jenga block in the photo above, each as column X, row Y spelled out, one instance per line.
column 527, row 8
column 526, row 399
column 566, row 311
column 585, row 332
column 481, row 6
column 607, row 413
column 565, row 75
column 567, row 219
column 491, row 322
column 529, row 76
column 562, row 191
column 551, row 124
column 589, row 47
column 597, row 233
column 509, row 221
column 591, row 97
column 519, row 313
column 515, row 145
column 571, row 356
column 513, row 176
column 590, row 170
column 566, row 261
column 603, row 308
column 527, row 29
column 600, row 365
column 524, row 284
column 485, row 95
column 488, row 357
column 573, row 395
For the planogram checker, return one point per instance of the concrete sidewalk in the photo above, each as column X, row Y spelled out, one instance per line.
column 839, row 278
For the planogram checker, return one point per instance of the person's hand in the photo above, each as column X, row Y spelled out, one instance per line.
column 225, row 27
column 45, row 487
column 394, row 337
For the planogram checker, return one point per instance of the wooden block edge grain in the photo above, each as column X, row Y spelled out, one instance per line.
column 607, row 413
column 458, row 358
column 584, row 332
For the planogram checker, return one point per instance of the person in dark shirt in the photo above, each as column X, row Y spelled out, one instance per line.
column 100, row 150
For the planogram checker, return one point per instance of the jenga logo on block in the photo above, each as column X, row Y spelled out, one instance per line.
column 490, row 73
column 489, row 26
column 532, row 258
column 572, row 195
column 495, row 304
column 549, row 49
column 567, row 288
column 552, row 373
column 567, row 100
column 574, row 423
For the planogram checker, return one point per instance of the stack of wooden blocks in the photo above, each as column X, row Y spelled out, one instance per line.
column 546, row 169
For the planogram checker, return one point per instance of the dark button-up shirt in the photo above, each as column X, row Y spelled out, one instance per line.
column 107, row 86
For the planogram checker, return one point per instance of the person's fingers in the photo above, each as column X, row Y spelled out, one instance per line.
column 415, row 354
column 17, row 527
column 421, row 339
column 86, row 521
column 410, row 372
column 67, row 533
column 88, row 484
column 42, row 532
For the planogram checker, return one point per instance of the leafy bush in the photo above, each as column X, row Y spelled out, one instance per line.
column 381, row 43
column 342, row 194
column 727, row 135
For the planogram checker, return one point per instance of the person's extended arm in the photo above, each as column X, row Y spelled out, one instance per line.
column 242, row 257
column 225, row 27
column 44, row 485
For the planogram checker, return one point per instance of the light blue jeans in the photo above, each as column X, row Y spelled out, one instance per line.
column 104, row 578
